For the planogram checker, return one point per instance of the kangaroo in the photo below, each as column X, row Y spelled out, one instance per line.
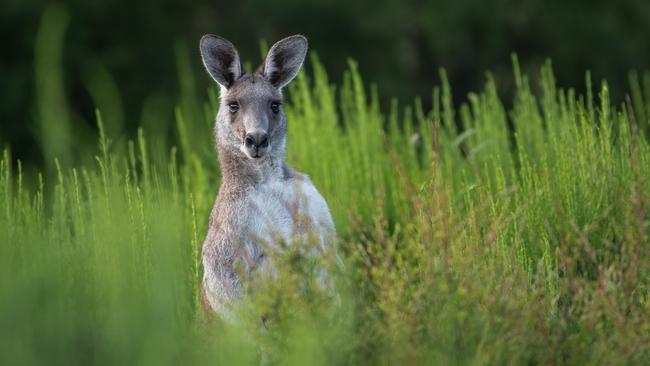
column 262, row 202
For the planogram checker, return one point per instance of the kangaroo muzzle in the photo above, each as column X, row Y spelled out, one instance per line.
column 256, row 144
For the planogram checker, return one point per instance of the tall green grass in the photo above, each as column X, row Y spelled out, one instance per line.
column 477, row 235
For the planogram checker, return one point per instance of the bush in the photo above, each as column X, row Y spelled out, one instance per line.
column 478, row 235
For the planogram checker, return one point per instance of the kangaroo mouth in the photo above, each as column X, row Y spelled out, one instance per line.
column 254, row 153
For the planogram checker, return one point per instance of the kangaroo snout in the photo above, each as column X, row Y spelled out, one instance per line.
column 256, row 139
column 256, row 143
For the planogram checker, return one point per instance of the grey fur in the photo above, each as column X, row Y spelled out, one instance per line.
column 261, row 201
column 284, row 60
column 221, row 59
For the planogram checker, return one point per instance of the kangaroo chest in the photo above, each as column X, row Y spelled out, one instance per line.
column 281, row 210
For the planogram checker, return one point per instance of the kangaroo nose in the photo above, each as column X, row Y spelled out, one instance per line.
column 257, row 139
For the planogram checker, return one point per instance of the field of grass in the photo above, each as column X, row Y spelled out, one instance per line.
column 480, row 235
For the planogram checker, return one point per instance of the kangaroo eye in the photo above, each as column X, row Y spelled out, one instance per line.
column 234, row 107
column 275, row 107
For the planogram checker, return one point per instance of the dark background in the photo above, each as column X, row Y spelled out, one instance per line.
column 400, row 45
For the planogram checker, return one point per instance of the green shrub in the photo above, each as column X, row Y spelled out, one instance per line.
column 481, row 235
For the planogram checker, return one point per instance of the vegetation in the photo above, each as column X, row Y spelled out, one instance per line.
column 129, row 64
column 479, row 235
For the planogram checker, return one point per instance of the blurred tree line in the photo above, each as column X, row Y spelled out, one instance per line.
column 126, row 52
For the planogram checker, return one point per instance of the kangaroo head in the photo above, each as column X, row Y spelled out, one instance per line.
column 250, row 120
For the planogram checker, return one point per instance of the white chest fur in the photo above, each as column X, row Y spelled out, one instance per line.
column 278, row 210
column 285, row 210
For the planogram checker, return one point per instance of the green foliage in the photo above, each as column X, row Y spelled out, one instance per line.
column 119, row 56
column 480, row 235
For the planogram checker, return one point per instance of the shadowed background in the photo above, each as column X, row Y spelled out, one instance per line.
column 125, row 56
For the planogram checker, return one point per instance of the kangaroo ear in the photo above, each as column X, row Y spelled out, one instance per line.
column 284, row 60
column 221, row 59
